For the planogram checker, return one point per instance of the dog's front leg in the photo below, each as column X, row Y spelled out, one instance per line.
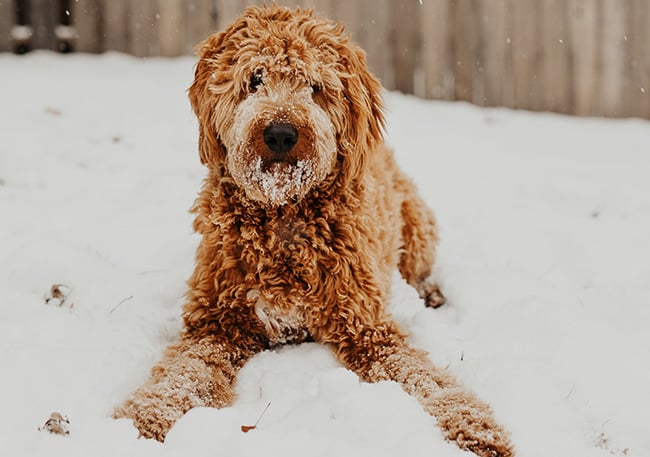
column 380, row 352
column 193, row 372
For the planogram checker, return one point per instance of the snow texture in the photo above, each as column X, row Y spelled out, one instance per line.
column 544, row 252
column 281, row 180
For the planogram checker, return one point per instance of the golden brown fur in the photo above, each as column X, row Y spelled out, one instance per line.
column 300, row 245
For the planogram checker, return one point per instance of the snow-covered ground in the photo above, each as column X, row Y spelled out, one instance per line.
column 545, row 259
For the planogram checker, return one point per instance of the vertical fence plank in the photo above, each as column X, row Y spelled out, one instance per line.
column 644, row 65
column 292, row 4
column 625, row 109
column 637, row 98
column 199, row 21
column 115, row 25
column 583, row 29
column 613, row 56
column 405, row 51
column 436, row 49
column 525, row 56
column 465, row 55
column 509, row 76
column 142, row 26
column 6, row 22
column 87, row 15
column 555, row 63
column 43, row 17
column 350, row 14
column 494, row 35
column 478, row 81
column 227, row 12
column 248, row 3
column 321, row 7
column 379, row 42
column 171, row 27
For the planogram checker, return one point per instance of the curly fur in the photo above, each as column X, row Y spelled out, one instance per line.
column 300, row 246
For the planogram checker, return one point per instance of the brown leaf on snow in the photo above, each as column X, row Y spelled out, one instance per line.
column 57, row 424
column 58, row 295
column 248, row 428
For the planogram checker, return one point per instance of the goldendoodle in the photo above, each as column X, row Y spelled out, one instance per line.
column 304, row 215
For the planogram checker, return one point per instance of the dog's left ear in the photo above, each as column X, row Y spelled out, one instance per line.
column 211, row 151
column 211, row 93
column 362, row 91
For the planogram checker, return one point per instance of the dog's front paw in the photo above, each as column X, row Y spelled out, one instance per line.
column 468, row 421
column 151, row 415
column 430, row 292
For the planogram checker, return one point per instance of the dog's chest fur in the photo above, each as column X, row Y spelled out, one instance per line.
column 280, row 256
column 283, row 324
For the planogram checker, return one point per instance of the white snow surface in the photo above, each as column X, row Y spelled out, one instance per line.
column 544, row 257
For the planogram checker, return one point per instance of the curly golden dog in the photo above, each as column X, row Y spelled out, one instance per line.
column 304, row 215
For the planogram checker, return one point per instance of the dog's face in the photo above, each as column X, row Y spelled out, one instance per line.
column 284, row 101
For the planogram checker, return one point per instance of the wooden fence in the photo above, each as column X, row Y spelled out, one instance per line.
column 585, row 57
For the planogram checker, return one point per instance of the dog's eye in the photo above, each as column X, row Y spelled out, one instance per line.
column 316, row 88
column 255, row 82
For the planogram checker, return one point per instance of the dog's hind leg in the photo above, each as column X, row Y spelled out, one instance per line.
column 193, row 372
column 420, row 238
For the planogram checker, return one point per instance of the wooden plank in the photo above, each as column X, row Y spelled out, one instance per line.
column 115, row 25
column 525, row 54
column 509, row 77
column 583, row 35
column 171, row 27
column 644, row 59
column 7, row 18
column 64, row 30
column 200, row 20
column 88, row 22
column 478, row 80
column 436, row 49
column 406, row 43
column 555, row 63
column 142, row 25
column 43, row 19
column 627, row 104
column 613, row 33
column 494, row 36
column 351, row 15
column 247, row 3
column 638, row 87
column 465, row 49
column 323, row 7
column 378, row 41
column 292, row 4
column 228, row 11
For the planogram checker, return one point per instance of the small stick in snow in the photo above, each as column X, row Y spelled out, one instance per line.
column 120, row 303
column 248, row 428
column 570, row 391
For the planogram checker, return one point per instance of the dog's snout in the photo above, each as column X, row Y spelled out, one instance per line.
column 280, row 138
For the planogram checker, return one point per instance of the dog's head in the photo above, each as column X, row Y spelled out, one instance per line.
column 284, row 100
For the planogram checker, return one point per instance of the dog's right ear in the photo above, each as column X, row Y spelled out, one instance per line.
column 203, row 101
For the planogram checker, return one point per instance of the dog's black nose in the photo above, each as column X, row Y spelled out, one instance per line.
column 280, row 138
